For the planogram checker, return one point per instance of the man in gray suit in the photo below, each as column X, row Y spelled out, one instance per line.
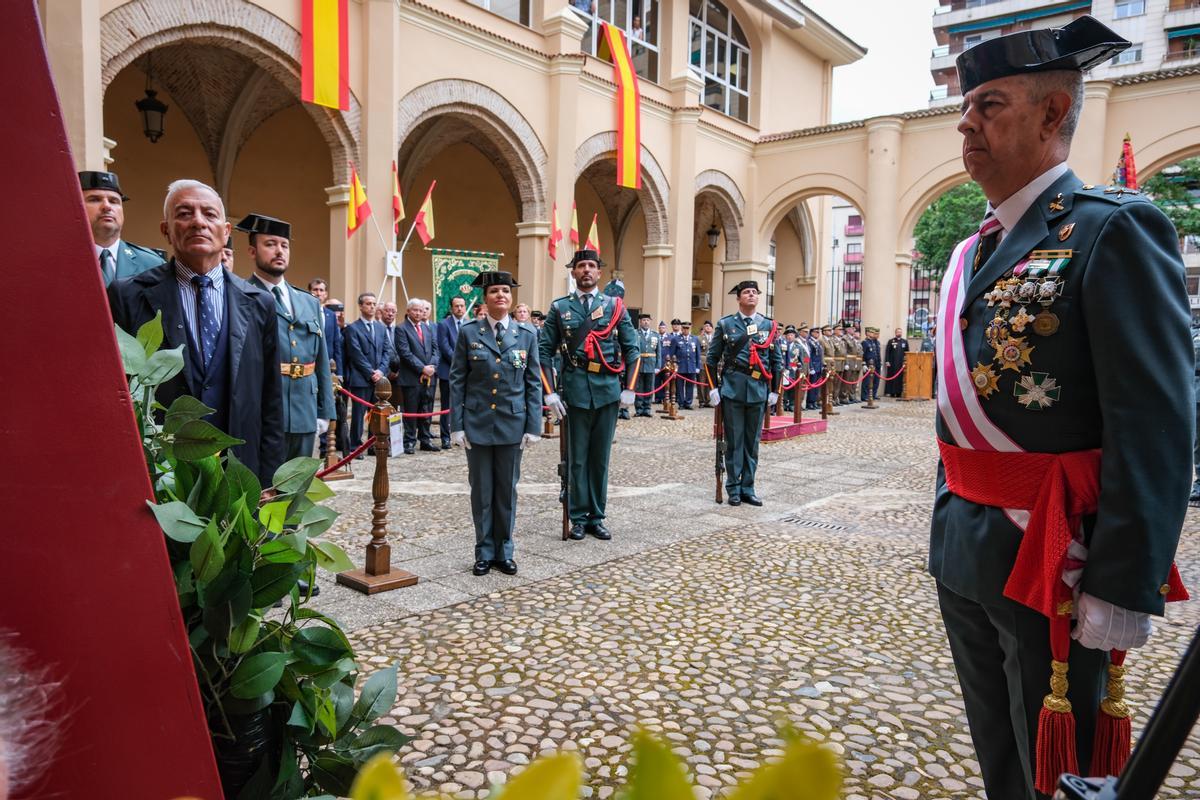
column 307, row 390
column 495, row 412
column 104, row 203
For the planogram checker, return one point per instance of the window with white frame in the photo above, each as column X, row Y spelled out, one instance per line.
column 1130, row 55
column 516, row 10
column 720, row 53
column 1129, row 8
column 639, row 21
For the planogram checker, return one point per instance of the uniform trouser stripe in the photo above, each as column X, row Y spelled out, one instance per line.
column 493, row 472
column 589, row 440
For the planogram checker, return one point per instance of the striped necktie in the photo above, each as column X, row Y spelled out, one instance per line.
column 989, row 236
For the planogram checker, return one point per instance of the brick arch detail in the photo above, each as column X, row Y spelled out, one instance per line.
column 140, row 26
column 730, row 204
column 655, row 192
column 494, row 117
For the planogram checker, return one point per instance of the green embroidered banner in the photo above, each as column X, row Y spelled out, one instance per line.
column 453, row 271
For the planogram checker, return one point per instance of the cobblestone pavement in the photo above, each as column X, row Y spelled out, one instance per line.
column 707, row 624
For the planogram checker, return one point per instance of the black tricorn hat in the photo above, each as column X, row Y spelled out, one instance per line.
column 676, row 321
column 229, row 242
column 645, row 316
column 737, row 289
column 494, row 277
column 535, row 314
column 687, row 323
column 585, row 255
column 1079, row 45
column 264, row 225
column 91, row 179
column 790, row 329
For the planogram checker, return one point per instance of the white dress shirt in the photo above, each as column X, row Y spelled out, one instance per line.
column 1009, row 212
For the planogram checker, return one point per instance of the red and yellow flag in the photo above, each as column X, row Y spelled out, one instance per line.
column 593, row 240
column 358, row 209
column 556, row 233
column 629, row 110
column 325, row 53
column 423, row 222
column 574, row 226
column 397, row 200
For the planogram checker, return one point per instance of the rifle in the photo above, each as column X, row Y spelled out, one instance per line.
column 719, row 438
column 564, row 475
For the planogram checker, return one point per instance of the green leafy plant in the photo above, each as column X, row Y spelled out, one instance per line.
column 1176, row 190
column 952, row 217
column 236, row 552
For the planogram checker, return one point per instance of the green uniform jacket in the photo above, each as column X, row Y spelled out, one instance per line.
column 134, row 259
column 589, row 384
column 731, row 341
column 1121, row 361
column 495, row 393
column 302, row 341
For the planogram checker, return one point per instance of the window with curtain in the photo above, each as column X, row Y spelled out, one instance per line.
column 720, row 54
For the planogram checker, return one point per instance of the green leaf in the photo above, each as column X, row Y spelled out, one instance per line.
column 280, row 551
column 206, row 554
column 342, row 695
column 241, row 480
column 333, row 773
column 272, row 582
column 257, row 674
column 379, row 779
column 386, row 739
column 554, row 777
column 656, row 773
column 300, row 717
column 377, row 697
column 326, row 715
column 318, row 490
column 244, row 635
column 330, row 557
column 234, row 705
column 162, row 366
column 317, row 520
column 807, row 771
column 272, row 516
column 308, row 613
column 295, row 475
column 178, row 521
column 319, row 646
column 334, row 674
column 208, row 485
column 150, row 335
column 196, row 439
column 226, row 603
column 184, row 408
column 133, row 355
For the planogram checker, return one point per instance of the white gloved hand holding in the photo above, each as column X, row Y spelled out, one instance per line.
column 529, row 439
column 460, row 437
column 1102, row 626
column 556, row 405
column 322, row 427
column 772, row 398
column 714, row 397
column 627, row 397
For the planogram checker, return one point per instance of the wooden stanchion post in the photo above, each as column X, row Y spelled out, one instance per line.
column 548, row 426
column 377, row 574
column 871, row 388
column 798, row 398
column 331, row 451
column 826, row 402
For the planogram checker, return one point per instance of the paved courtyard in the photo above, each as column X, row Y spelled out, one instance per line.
column 708, row 624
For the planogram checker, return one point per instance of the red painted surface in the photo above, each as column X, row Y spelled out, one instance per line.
column 84, row 577
column 783, row 427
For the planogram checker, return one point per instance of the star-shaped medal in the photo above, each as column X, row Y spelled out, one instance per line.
column 1037, row 391
column 1020, row 320
column 984, row 380
column 1013, row 353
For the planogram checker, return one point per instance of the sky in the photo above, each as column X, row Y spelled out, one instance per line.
column 894, row 74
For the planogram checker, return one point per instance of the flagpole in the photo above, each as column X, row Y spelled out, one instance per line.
column 403, row 287
column 382, row 241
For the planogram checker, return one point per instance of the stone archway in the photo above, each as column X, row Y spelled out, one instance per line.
column 449, row 111
column 228, row 38
column 723, row 192
column 654, row 195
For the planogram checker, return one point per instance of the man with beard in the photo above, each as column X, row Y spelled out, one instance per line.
column 893, row 360
column 306, row 388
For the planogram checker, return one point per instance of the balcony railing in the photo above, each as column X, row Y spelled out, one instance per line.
column 1181, row 55
column 853, row 258
column 853, row 230
column 938, row 93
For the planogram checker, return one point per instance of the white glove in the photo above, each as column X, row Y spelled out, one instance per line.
column 1103, row 626
column 322, row 427
column 529, row 439
column 772, row 398
column 460, row 437
column 556, row 405
column 714, row 397
column 627, row 397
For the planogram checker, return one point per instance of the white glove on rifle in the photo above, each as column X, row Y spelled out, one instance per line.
column 529, row 439
column 627, row 397
column 460, row 437
column 714, row 397
column 1103, row 626
column 772, row 398
column 322, row 427
column 556, row 405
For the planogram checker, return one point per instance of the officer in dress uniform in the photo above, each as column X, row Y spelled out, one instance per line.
column 871, row 361
column 706, row 337
column 664, row 349
column 104, row 203
column 307, row 390
column 816, row 368
column 794, row 355
column 1035, row 380
column 744, row 372
column 837, row 364
column 596, row 337
column 687, row 356
column 893, row 360
column 853, row 366
column 649, row 344
column 495, row 413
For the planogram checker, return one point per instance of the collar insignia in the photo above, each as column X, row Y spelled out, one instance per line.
column 1065, row 231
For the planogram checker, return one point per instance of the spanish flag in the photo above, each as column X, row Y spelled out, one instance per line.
column 325, row 53
column 629, row 114
column 397, row 200
column 593, row 240
column 358, row 209
column 574, row 226
column 556, row 233
column 423, row 222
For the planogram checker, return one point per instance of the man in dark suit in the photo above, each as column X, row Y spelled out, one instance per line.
column 368, row 353
column 447, row 335
column 1035, row 407
column 416, row 366
column 226, row 327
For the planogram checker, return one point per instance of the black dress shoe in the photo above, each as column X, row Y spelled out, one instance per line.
column 598, row 530
column 623, row 414
column 446, row 445
column 751, row 500
column 408, row 451
column 303, row 587
column 481, row 568
column 576, row 532
column 734, row 500
column 508, row 566
column 426, row 447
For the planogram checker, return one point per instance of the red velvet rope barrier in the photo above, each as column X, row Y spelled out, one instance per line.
column 870, row 371
column 371, row 406
column 347, row 459
column 670, row 378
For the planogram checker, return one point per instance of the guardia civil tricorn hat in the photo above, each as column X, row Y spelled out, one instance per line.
column 265, row 226
column 1079, row 45
column 91, row 179
column 494, row 277
column 585, row 255
column 737, row 289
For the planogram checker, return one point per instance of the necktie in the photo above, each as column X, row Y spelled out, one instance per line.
column 278, row 292
column 499, row 336
column 106, row 267
column 989, row 236
column 586, row 299
column 420, row 334
column 206, row 322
